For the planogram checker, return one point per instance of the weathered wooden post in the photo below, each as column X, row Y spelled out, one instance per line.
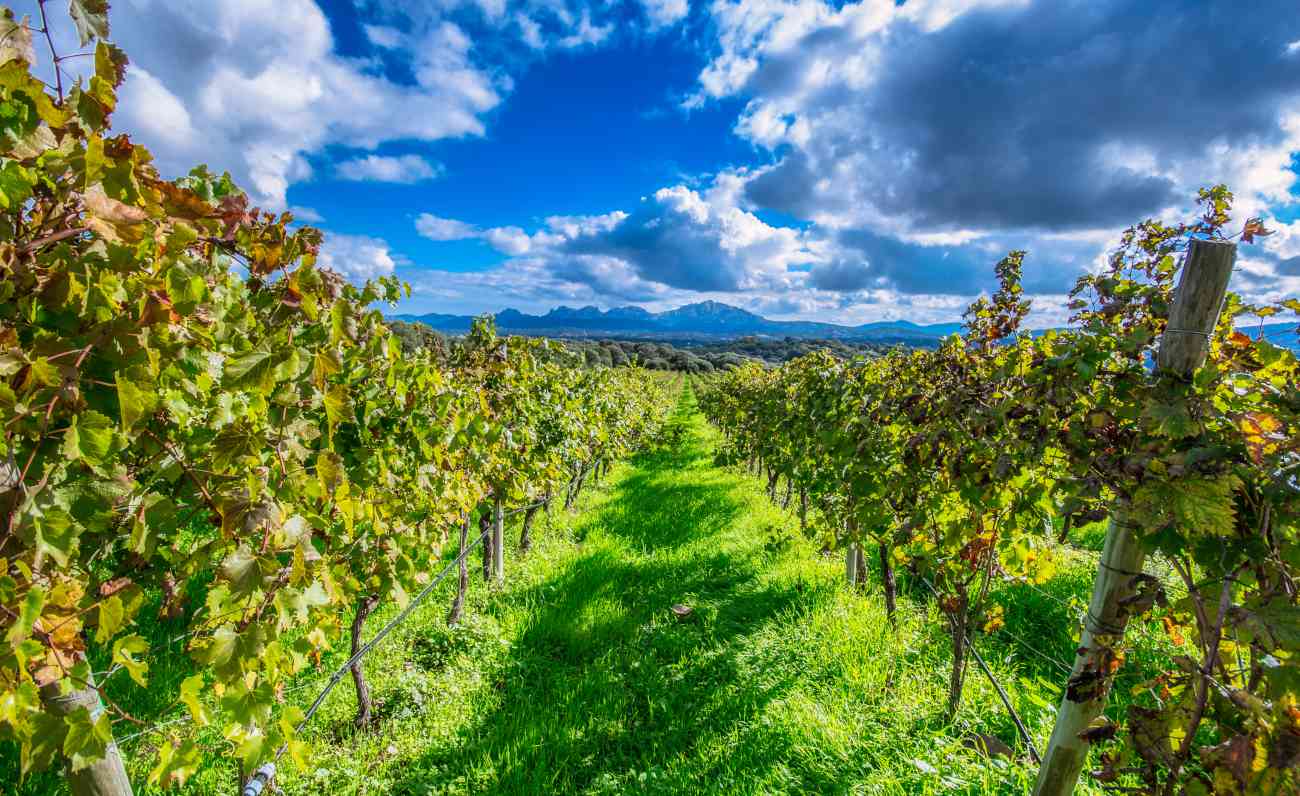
column 498, row 543
column 1197, row 302
column 106, row 776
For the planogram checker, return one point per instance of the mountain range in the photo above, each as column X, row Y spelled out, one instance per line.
column 713, row 320
column 702, row 320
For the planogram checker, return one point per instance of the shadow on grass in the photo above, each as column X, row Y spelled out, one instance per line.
column 604, row 682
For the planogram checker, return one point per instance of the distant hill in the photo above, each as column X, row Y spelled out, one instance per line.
column 713, row 320
column 703, row 320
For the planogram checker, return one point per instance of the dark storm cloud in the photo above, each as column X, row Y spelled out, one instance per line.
column 1036, row 117
column 868, row 260
column 664, row 248
column 683, row 240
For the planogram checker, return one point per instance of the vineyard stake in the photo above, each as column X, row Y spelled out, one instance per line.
column 1192, row 318
column 106, row 776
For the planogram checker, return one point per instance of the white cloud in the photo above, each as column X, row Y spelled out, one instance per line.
column 509, row 240
column 383, row 36
column 167, row 121
column 306, row 214
column 585, row 32
column 381, row 168
column 357, row 257
column 437, row 228
column 530, row 31
column 664, row 13
column 256, row 87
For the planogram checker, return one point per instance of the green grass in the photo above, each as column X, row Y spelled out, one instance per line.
column 575, row 677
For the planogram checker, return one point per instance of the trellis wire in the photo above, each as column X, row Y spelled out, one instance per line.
column 1006, row 701
column 338, row 675
column 264, row 774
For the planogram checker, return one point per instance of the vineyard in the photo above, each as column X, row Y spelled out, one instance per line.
column 252, row 541
column 980, row 461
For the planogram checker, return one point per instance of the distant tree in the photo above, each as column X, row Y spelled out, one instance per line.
column 415, row 336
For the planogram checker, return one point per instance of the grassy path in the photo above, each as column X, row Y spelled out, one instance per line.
column 575, row 677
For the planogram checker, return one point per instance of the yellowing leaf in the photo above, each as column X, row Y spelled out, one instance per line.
column 111, row 614
column 191, row 696
column 90, row 18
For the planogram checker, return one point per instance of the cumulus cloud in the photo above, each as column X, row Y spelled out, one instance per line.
column 357, row 257
column 437, row 228
column 258, row 89
column 925, row 138
column 1012, row 115
column 683, row 239
column 678, row 238
column 382, row 168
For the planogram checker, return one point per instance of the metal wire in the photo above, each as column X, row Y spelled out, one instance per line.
column 378, row 637
column 1002, row 694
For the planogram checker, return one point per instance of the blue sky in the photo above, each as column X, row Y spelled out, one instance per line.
column 834, row 161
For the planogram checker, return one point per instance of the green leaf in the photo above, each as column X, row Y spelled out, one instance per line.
column 234, row 443
column 16, row 182
column 1172, row 420
column 111, row 614
column 176, row 763
column 30, row 612
column 1193, row 505
column 137, row 395
column 90, row 18
column 56, row 534
column 245, row 571
column 292, row 604
column 255, row 369
column 336, row 404
column 46, row 734
column 245, row 705
column 191, row 697
column 89, row 438
column 325, row 363
column 110, row 64
column 87, row 738
column 125, row 650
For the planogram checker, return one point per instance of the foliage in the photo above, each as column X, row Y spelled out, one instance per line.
column 195, row 414
column 958, row 459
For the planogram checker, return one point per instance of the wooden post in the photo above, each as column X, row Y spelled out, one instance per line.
column 1197, row 302
column 851, row 564
column 498, row 543
column 106, row 776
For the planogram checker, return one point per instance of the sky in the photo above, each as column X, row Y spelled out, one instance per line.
column 845, row 162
